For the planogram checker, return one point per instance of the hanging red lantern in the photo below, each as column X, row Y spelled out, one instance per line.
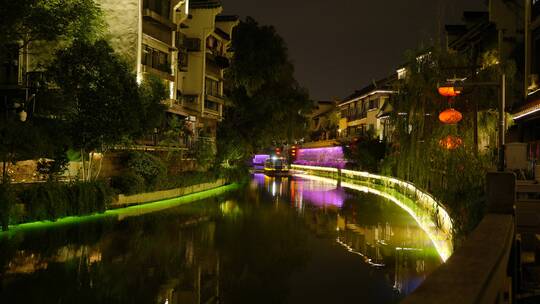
column 450, row 116
column 449, row 91
column 451, row 142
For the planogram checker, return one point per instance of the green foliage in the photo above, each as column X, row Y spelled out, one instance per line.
column 148, row 166
column 7, row 203
column 48, row 20
column 455, row 176
column 205, row 153
column 268, row 103
column 128, row 183
column 151, row 92
column 100, row 93
column 365, row 153
column 260, row 57
column 50, row 201
column 54, row 168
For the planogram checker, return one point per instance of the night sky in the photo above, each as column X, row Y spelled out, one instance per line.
column 338, row 46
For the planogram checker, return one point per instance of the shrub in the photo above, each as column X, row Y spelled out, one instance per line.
column 7, row 202
column 150, row 167
column 129, row 183
column 50, row 201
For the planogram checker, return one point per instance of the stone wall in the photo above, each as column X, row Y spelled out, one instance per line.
column 122, row 20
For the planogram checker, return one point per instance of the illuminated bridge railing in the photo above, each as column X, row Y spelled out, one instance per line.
column 431, row 215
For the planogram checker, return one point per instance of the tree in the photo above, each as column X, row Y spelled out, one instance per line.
column 268, row 104
column 101, row 97
column 25, row 21
column 454, row 174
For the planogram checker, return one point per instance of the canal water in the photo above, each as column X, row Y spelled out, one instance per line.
column 286, row 240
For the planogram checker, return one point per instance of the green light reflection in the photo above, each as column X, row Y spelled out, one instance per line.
column 120, row 213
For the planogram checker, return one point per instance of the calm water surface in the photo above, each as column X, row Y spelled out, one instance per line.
column 276, row 241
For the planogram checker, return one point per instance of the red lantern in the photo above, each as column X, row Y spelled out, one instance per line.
column 451, row 142
column 449, row 91
column 450, row 116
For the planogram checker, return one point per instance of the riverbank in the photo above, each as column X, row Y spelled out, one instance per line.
column 122, row 213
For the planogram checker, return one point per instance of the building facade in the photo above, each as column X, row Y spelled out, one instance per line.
column 527, row 112
column 361, row 112
column 184, row 43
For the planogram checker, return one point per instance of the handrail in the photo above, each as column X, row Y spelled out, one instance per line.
column 428, row 212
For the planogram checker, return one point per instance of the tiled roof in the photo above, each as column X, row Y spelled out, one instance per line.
column 204, row 3
column 383, row 84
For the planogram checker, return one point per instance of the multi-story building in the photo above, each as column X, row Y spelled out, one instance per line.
column 322, row 121
column 527, row 112
column 361, row 111
column 184, row 43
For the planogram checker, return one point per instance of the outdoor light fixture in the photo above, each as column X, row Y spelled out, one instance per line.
column 450, row 116
column 451, row 142
column 450, row 89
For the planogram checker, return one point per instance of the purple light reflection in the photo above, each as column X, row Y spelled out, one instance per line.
column 320, row 194
column 326, row 157
column 334, row 197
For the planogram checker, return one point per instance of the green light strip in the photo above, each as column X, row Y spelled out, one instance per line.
column 121, row 213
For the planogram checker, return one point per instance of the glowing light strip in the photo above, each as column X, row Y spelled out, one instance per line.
column 531, row 93
column 440, row 238
column 121, row 213
column 426, row 200
column 527, row 112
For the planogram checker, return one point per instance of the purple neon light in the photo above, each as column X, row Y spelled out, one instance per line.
column 326, row 157
column 259, row 159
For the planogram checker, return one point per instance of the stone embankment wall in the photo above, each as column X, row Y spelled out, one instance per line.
column 126, row 200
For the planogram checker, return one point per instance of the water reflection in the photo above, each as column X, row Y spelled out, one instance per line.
column 277, row 241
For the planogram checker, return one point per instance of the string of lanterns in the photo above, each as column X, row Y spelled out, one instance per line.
column 450, row 116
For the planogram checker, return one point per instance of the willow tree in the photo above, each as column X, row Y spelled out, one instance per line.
column 444, row 158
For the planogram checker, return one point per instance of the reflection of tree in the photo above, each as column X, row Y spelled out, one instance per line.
column 137, row 259
column 260, row 251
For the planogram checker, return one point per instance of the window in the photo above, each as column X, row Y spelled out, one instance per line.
column 374, row 104
column 156, row 59
column 210, row 105
column 212, row 87
column 161, row 7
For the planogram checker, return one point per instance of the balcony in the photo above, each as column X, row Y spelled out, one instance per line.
column 186, row 105
column 160, row 72
column 157, row 18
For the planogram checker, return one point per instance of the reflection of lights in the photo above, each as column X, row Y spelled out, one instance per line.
column 440, row 237
column 274, row 188
column 351, row 250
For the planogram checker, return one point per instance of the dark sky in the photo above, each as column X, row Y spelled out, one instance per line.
column 338, row 46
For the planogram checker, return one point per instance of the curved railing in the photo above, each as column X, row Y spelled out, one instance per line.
column 430, row 214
